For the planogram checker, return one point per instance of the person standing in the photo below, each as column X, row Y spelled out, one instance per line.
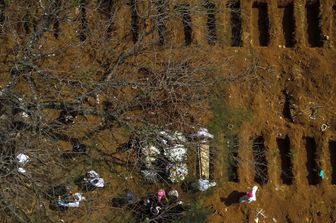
column 250, row 196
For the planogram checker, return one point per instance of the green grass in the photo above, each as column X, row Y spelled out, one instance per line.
column 228, row 120
column 76, row 2
column 196, row 214
column 225, row 125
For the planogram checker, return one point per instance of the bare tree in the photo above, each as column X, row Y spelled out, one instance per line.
column 70, row 71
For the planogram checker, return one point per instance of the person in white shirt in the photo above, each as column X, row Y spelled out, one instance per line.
column 250, row 196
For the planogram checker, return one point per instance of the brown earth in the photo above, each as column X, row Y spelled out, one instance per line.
column 280, row 82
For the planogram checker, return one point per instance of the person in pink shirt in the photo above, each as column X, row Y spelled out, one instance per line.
column 250, row 196
column 161, row 195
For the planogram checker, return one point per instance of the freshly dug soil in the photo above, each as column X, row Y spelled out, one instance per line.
column 272, row 111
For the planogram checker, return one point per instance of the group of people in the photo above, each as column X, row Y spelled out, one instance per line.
column 174, row 152
column 162, row 205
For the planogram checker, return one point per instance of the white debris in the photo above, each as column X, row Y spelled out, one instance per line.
column 24, row 115
column 177, row 153
column 149, row 161
column 204, row 184
column 176, row 137
column 203, row 133
column 94, row 179
column 165, row 136
column 97, row 182
column 98, row 99
column 21, row 170
column 179, row 136
column 22, row 159
column 78, row 197
column 150, row 175
column 150, row 151
column 324, row 127
column 69, row 118
column 173, row 193
column 165, row 142
column 260, row 212
column 92, row 174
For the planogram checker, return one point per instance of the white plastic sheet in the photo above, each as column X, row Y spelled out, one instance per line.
column 204, row 184
column 176, row 137
column 21, row 170
column 22, row 159
column 150, row 175
column 94, row 179
column 150, row 151
column 173, row 193
column 203, row 133
column 74, row 204
column 97, row 182
column 92, row 174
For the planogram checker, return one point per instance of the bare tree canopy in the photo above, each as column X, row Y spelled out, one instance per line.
column 88, row 72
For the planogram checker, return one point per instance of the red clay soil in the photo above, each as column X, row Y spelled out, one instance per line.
column 283, row 77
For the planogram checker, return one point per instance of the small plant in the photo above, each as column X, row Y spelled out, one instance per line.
column 196, row 214
column 77, row 2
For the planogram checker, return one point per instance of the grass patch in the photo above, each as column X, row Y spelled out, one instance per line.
column 196, row 214
column 225, row 125
column 226, row 119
